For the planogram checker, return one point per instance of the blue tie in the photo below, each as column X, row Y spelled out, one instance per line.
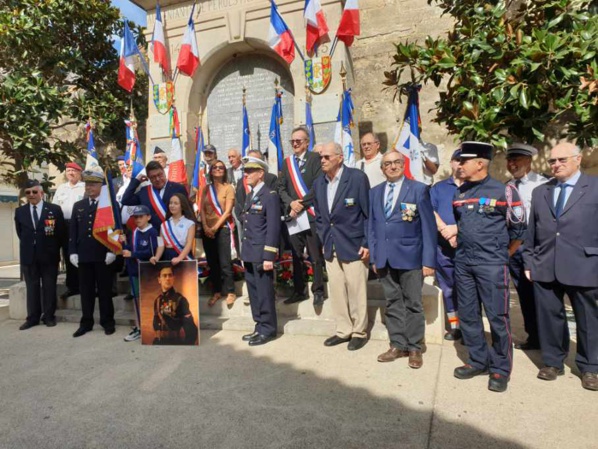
column 560, row 202
column 389, row 198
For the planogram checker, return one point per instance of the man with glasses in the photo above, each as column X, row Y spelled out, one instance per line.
column 371, row 159
column 402, row 242
column 155, row 196
column 341, row 201
column 299, row 172
column 561, row 257
column 491, row 225
column 42, row 232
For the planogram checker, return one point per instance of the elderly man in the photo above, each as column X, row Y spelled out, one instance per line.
column 561, row 257
column 371, row 160
column 519, row 164
column 155, row 196
column 341, row 203
column 299, row 172
column 491, row 225
column 66, row 196
column 41, row 230
column 161, row 158
column 402, row 241
column 234, row 174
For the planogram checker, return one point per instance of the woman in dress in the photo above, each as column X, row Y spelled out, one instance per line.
column 216, row 217
column 177, row 232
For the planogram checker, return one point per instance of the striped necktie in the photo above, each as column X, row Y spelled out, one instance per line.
column 389, row 198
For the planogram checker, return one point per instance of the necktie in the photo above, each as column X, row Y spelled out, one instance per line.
column 517, row 183
column 389, row 198
column 560, row 202
column 299, row 162
column 93, row 204
column 35, row 217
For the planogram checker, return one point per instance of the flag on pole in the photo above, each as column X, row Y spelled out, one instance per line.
column 92, row 155
column 349, row 26
column 317, row 28
column 106, row 227
column 246, row 132
column 176, row 170
column 133, row 155
column 199, row 169
column 274, row 137
column 159, row 43
column 188, row 59
column 279, row 36
column 309, row 124
column 126, row 67
column 408, row 142
column 342, row 134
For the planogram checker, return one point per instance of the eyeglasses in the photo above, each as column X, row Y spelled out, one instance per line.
column 158, row 176
column 327, row 157
column 296, row 141
column 218, row 167
column 561, row 160
column 368, row 144
column 397, row 162
column 31, row 192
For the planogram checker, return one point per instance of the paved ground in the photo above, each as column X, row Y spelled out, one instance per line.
column 100, row 392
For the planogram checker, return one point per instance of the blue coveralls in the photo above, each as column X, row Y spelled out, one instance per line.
column 481, row 269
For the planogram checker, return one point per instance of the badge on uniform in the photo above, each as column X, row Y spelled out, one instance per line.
column 49, row 226
column 518, row 211
column 257, row 207
column 349, row 202
column 486, row 205
column 408, row 211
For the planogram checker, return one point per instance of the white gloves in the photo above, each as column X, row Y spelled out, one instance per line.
column 110, row 257
column 74, row 258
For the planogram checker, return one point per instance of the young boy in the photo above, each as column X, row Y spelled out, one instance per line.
column 144, row 243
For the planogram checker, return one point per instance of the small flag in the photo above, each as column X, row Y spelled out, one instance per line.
column 126, row 67
column 274, row 137
column 317, row 28
column 188, row 59
column 349, row 26
column 199, row 169
column 92, row 155
column 176, row 170
column 408, row 142
column 280, row 37
column 159, row 43
column 342, row 134
column 246, row 132
column 309, row 124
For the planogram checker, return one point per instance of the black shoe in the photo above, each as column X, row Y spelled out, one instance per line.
column 68, row 293
column 318, row 299
column 26, row 325
column 357, row 343
column 335, row 340
column 128, row 297
column 50, row 322
column 80, row 331
column 498, row 383
column 453, row 335
column 527, row 346
column 124, row 274
column 248, row 337
column 260, row 339
column 109, row 331
column 295, row 297
column 467, row 372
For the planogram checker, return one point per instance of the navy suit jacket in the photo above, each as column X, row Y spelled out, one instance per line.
column 345, row 226
column 43, row 243
column 130, row 198
column 565, row 250
column 403, row 244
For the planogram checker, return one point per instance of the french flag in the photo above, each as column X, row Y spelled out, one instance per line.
column 408, row 141
column 188, row 60
column 176, row 171
column 349, row 27
column 92, row 160
column 159, row 43
column 317, row 28
column 106, row 227
column 280, row 37
column 126, row 67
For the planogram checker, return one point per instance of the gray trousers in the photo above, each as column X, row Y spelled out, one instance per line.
column 405, row 319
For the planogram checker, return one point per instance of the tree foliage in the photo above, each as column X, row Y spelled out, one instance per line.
column 58, row 66
column 514, row 70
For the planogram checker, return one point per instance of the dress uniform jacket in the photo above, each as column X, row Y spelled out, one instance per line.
column 81, row 239
column 171, row 315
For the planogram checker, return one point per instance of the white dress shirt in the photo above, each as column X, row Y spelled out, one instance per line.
column 570, row 184
column 398, row 184
column 526, row 185
column 333, row 187
column 67, row 195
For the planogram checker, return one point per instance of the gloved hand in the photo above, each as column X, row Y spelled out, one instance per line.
column 110, row 257
column 74, row 258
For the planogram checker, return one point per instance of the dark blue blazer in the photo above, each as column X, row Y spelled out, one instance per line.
column 261, row 227
column 43, row 243
column 403, row 244
column 130, row 198
column 345, row 226
column 565, row 250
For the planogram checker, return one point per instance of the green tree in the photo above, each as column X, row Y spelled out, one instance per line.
column 514, row 70
column 58, row 66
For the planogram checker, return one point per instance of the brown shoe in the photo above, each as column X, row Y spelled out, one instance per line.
column 214, row 299
column 550, row 373
column 392, row 354
column 230, row 299
column 415, row 359
column 590, row 381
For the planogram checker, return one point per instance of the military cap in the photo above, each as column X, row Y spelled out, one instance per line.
column 250, row 162
column 140, row 210
column 209, row 148
column 74, row 166
column 31, row 183
column 521, row 149
column 456, row 154
column 473, row 150
column 159, row 150
column 93, row 176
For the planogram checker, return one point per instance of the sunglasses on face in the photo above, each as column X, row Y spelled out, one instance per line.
column 327, row 157
column 296, row 141
column 218, row 167
column 31, row 192
column 561, row 160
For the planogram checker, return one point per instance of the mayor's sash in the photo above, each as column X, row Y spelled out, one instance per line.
column 298, row 183
column 170, row 237
column 157, row 204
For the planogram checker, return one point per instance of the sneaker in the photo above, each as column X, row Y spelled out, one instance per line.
column 135, row 334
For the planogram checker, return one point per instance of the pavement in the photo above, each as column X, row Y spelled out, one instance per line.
column 97, row 391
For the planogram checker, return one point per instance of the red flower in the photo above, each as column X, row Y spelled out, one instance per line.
column 286, row 275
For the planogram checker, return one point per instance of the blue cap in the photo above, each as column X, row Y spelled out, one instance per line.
column 456, row 154
column 120, row 158
column 140, row 210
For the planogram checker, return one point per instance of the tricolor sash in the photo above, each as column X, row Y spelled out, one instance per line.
column 171, row 238
column 298, row 183
column 157, row 203
column 213, row 199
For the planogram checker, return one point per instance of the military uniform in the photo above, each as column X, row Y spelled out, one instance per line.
column 171, row 314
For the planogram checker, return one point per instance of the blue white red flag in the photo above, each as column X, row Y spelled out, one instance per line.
column 133, row 154
column 342, row 134
column 280, row 37
column 309, row 124
column 176, row 170
column 199, row 169
column 246, row 133
column 188, row 60
column 408, row 142
column 92, row 155
column 107, row 227
column 274, row 137
column 316, row 28
column 126, row 67
column 159, row 43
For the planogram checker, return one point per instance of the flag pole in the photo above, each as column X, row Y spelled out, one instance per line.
column 334, row 42
column 343, row 74
column 308, row 98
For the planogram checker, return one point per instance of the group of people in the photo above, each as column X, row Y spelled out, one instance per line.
column 470, row 231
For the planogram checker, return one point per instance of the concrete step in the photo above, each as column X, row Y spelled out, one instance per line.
column 4, row 310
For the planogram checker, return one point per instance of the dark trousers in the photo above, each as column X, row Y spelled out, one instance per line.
column 553, row 329
column 487, row 285
column 299, row 242
column 525, row 291
column 218, row 255
column 445, row 276
column 72, row 272
column 96, row 276
column 40, row 279
column 260, row 285
column 405, row 319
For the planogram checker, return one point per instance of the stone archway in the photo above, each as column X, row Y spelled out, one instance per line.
column 256, row 72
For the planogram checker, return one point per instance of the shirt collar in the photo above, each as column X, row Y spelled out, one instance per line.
column 258, row 187
column 572, row 180
column 39, row 205
column 397, row 182
column 147, row 228
column 301, row 156
column 337, row 176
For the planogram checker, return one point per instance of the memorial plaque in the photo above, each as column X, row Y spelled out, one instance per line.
column 225, row 103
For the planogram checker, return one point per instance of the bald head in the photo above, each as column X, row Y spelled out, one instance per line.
column 234, row 158
column 565, row 161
